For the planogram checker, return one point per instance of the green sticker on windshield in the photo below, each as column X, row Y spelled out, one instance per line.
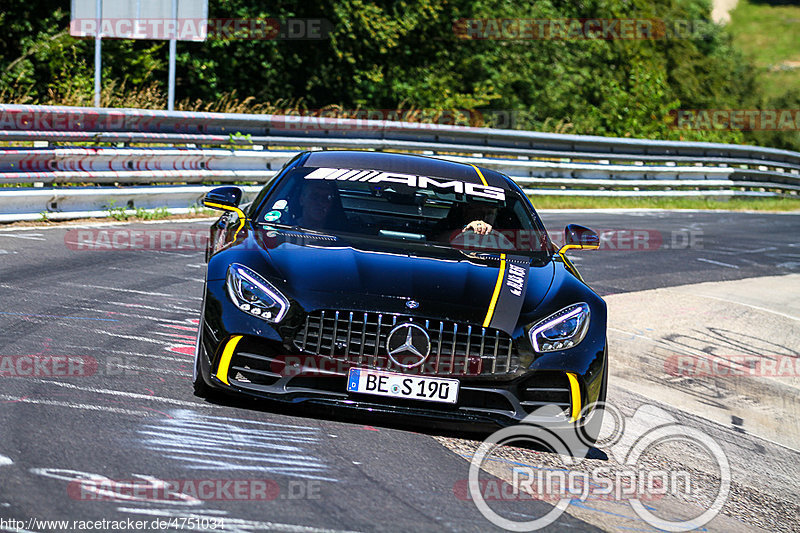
column 272, row 216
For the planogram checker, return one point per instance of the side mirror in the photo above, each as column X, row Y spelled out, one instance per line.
column 225, row 198
column 580, row 237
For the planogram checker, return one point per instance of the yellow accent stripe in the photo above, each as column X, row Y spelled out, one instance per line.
column 480, row 175
column 571, row 267
column 567, row 262
column 496, row 293
column 239, row 212
column 225, row 360
column 575, row 391
column 577, row 247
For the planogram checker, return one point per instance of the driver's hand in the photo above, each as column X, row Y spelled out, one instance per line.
column 478, row 226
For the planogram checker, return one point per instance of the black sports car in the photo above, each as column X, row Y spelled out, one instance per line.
column 399, row 284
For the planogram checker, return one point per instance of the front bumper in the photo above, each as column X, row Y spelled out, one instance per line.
column 255, row 367
column 244, row 355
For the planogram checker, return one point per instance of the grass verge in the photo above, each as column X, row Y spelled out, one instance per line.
column 732, row 204
column 769, row 35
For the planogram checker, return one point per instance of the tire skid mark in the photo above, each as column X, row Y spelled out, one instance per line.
column 131, row 291
column 148, row 317
column 129, row 337
column 182, row 344
column 203, row 442
column 35, row 315
column 184, row 328
column 177, row 335
column 108, row 350
column 85, row 306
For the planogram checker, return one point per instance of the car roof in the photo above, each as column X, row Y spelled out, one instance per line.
column 405, row 164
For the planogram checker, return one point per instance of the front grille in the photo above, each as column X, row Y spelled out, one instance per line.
column 254, row 368
column 546, row 388
column 360, row 338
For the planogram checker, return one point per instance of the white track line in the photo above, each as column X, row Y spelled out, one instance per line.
column 716, row 263
column 84, row 406
column 31, row 237
column 759, row 308
column 133, row 395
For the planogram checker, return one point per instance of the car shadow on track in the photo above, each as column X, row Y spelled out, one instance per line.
column 392, row 421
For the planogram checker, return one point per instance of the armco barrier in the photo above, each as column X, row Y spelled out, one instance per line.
column 82, row 202
column 131, row 148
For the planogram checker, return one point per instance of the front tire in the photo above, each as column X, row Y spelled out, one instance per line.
column 201, row 388
column 590, row 431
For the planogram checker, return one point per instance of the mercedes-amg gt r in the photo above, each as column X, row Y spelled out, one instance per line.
column 399, row 284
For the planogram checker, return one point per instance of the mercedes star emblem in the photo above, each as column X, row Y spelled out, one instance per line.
column 408, row 345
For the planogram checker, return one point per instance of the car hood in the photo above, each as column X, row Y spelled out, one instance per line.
column 358, row 274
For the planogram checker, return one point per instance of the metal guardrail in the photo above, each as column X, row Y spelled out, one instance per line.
column 20, row 204
column 133, row 147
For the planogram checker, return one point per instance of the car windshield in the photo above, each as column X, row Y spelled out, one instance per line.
column 391, row 206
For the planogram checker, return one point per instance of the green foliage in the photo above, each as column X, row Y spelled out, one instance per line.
column 116, row 212
column 670, row 202
column 152, row 214
column 123, row 214
column 196, row 210
column 240, row 137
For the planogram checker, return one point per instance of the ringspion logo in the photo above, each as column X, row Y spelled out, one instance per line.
column 625, row 476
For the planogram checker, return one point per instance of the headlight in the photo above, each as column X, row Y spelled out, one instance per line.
column 254, row 295
column 561, row 330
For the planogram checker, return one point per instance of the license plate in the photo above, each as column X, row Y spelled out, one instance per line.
column 442, row 390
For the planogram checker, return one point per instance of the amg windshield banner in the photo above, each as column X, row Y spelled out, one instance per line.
column 410, row 180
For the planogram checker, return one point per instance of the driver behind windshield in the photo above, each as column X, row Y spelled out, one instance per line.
column 316, row 202
column 481, row 218
column 316, row 205
column 475, row 217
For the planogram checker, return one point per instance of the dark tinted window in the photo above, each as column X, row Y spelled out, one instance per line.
column 384, row 205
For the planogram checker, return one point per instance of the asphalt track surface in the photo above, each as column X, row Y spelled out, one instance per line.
column 133, row 419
